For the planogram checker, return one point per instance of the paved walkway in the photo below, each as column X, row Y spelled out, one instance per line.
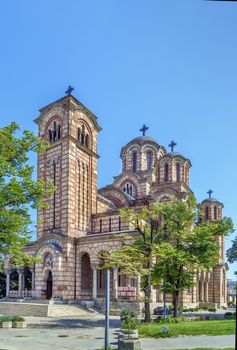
column 87, row 333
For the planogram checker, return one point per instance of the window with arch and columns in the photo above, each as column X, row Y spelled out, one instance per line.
column 149, row 159
column 178, row 167
column 134, row 162
column 83, row 136
column 54, row 131
column 166, row 172
column 128, row 188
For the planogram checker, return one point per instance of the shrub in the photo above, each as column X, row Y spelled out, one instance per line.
column 212, row 309
column 5, row 319
column 172, row 319
column 17, row 319
column 126, row 314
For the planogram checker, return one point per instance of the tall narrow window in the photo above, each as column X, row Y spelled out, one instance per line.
column 158, row 174
column 206, row 213
column 50, row 135
column 119, row 223
column 54, row 131
column 110, row 224
column 87, row 141
column 83, row 135
column 130, row 190
column 166, row 172
column 79, row 134
column 148, row 159
column 59, row 132
column 177, row 172
column 134, row 162
column 215, row 213
column 100, row 225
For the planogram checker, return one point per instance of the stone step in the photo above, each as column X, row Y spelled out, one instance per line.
column 66, row 310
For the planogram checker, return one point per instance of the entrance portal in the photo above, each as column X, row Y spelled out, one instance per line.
column 49, row 289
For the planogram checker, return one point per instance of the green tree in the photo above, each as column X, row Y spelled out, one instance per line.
column 231, row 253
column 18, row 190
column 169, row 248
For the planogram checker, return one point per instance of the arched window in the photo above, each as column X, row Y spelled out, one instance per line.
column 158, row 174
column 166, row 172
column 54, row 131
column 215, row 213
column 50, row 136
column 87, row 141
column 148, row 159
column 134, row 162
column 177, row 172
column 79, row 134
column 59, row 131
column 206, row 213
column 128, row 188
column 83, row 135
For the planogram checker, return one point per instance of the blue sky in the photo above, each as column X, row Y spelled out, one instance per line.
column 169, row 64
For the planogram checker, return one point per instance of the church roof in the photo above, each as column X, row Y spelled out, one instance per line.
column 211, row 200
column 68, row 101
column 176, row 154
column 141, row 140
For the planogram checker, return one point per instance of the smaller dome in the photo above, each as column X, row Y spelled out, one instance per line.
column 143, row 139
column 211, row 200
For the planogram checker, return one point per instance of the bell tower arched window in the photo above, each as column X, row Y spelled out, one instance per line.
column 134, row 162
column 148, row 159
column 166, row 172
column 82, row 136
column 54, row 131
column 158, row 174
column 177, row 172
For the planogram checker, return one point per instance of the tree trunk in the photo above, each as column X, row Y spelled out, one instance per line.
column 175, row 302
column 147, row 291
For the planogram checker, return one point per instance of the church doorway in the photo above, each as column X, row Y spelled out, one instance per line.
column 49, row 286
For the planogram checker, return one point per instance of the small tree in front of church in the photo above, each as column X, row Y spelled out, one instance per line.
column 170, row 249
column 18, row 191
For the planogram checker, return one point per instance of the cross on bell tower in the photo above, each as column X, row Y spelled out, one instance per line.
column 210, row 193
column 144, row 129
column 172, row 145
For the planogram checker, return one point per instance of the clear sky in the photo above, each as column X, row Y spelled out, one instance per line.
column 169, row 64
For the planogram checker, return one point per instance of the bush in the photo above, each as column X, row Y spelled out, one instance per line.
column 229, row 316
column 212, row 309
column 172, row 319
column 17, row 319
column 5, row 319
column 126, row 314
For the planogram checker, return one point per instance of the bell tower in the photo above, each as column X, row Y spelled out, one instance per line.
column 70, row 162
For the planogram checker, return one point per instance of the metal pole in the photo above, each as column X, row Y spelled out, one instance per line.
column 164, row 299
column 107, row 302
column 236, row 312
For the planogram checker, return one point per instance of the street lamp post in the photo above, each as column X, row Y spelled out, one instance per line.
column 107, row 302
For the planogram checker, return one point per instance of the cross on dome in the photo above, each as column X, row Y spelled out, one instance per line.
column 172, row 145
column 69, row 90
column 210, row 193
column 144, row 129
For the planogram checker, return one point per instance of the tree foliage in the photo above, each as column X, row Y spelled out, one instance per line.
column 18, row 190
column 231, row 253
column 170, row 247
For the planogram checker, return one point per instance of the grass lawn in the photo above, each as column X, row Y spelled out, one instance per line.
column 214, row 327
column 210, row 349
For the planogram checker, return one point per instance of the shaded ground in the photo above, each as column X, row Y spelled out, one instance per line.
column 87, row 333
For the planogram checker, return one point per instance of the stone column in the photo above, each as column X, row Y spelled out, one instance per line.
column 206, row 291
column 8, row 273
column 32, row 270
column 94, row 290
column 20, row 271
column 115, row 283
column 202, row 291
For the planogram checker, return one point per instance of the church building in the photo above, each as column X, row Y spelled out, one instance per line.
column 82, row 221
